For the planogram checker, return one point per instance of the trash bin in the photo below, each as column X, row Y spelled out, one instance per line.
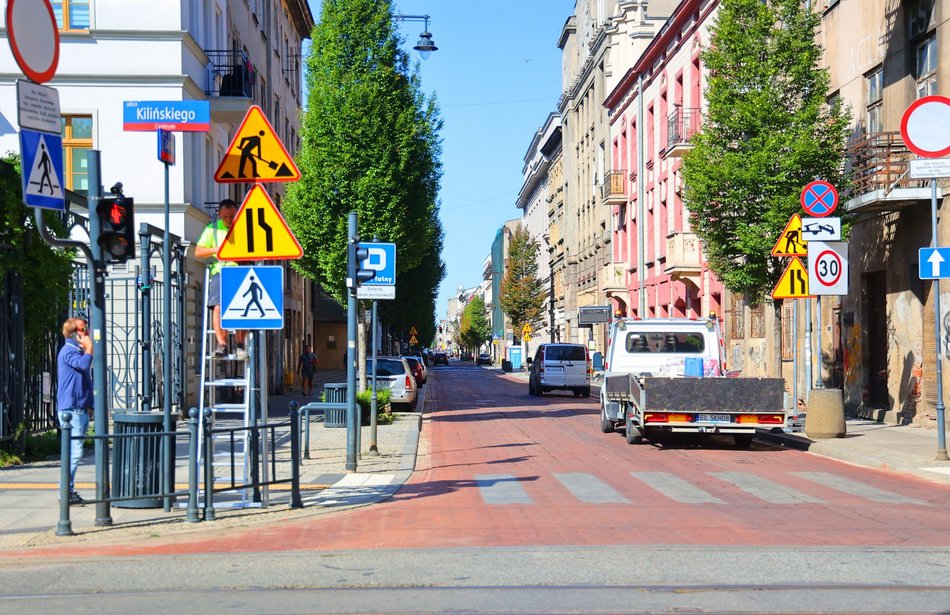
column 505, row 365
column 335, row 392
column 137, row 461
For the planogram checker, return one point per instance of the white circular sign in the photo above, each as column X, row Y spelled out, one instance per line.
column 828, row 268
column 34, row 38
column 925, row 127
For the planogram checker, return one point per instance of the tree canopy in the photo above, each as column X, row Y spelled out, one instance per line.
column 522, row 293
column 369, row 143
column 768, row 132
column 475, row 329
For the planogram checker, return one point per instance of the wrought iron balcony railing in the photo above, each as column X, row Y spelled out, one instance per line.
column 614, row 188
column 230, row 73
column 682, row 125
column 878, row 163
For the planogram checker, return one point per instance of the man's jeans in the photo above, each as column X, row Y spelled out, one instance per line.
column 79, row 423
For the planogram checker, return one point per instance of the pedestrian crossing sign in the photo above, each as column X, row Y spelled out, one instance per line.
column 42, row 156
column 794, row 282
column 259, row 232
column 252, row 297
column 256, row 154
column 790, row 242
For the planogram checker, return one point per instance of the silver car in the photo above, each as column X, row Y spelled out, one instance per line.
column 395, row 374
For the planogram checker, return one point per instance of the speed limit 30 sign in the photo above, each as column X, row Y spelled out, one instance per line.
column 828, row 267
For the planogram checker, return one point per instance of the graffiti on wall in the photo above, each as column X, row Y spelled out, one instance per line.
column 946, row 334
column 757, row 354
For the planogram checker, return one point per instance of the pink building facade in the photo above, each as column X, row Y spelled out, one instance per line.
column 653, row 111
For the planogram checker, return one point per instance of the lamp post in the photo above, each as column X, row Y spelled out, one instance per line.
column 425, row 46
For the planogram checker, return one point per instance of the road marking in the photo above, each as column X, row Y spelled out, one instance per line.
column 765, row 489
column 589, row 489
column 862, row 490
column 676, row 488
column 501, row 489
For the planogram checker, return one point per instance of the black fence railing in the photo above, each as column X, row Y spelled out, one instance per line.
column 230, row 73
column 683, row 124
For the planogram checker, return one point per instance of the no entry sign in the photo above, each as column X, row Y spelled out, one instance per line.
column 34, row 38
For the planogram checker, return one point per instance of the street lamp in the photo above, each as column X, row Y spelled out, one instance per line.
column 425, row 46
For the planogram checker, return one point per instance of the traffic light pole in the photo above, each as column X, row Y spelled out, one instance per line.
column 351, row 307
column 167, row 352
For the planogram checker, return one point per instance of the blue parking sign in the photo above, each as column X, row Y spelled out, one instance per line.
column 382, row 258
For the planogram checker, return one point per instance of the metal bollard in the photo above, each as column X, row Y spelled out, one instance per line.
column 192, row 514
column 295, row 501
column 209, row 466
column 306, row 449
column 65, row 526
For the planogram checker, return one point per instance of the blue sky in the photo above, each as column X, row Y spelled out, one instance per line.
column 497, row 76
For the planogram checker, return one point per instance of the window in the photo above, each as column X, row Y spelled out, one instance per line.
column 71, row 14
column 873, row 99
column 788, row 342
column 757, row 321
column 927, row 67
column 665, row 342
column 737, row 318
column 77, row 140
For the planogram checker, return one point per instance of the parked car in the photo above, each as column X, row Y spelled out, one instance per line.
column 440, row 358
column 418, row 369
column 560, row 366
column 395, row 373
column 483, row 359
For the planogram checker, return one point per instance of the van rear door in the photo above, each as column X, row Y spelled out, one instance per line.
column 565, row 365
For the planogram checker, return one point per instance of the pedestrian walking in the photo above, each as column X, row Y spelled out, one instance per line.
column 74, row 393
column 207, row 248
column 307, row 366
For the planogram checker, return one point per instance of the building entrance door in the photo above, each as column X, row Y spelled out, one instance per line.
column 876, row 292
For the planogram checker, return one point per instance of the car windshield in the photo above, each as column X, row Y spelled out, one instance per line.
column 387, row 367
column 565, row 353
column 665, row 342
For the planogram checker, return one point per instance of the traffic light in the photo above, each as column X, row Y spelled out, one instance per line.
column 355, row 274
column 116, row 227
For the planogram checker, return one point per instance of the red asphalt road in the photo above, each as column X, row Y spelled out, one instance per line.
column 480, row 422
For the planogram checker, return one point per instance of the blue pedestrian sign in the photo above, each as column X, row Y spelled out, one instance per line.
column 819, row 198
column 252, row 297
column 382, row 258
column 42, row 159
column 934, row 263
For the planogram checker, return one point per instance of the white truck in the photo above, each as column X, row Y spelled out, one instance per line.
column 666, row 375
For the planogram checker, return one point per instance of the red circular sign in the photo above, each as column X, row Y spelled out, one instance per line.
column 925, row 127
column 833, row 269
column 34, row 38
column 819, row 198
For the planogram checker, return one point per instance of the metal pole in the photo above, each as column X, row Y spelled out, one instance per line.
column 64, row 526
column 373, row 448
column 146, row 289
column 807, row 347
column 795, row 358
column 192, row 515
column 941, row 428
column 97, row 319
column 351, row 416
column 819, row 377
column 252, row 441
column 641, row 203
column 167, row 351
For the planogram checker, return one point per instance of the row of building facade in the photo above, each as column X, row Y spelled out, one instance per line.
column 602, row 198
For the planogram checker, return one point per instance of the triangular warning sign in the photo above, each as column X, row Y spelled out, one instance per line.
column 794, row 282
column 44, row 180
column 251, row 301
column 256, row 154
column 412, row 331
column 259, row 232
column 790, row 242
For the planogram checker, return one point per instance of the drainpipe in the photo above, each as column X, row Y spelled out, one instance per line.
column 641, row 205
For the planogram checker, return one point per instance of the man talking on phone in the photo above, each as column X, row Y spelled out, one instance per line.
column 74, row 392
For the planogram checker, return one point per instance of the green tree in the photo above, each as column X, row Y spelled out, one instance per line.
column 768, row 132
column 370, row 144
column 522, row 293
column 475, row 329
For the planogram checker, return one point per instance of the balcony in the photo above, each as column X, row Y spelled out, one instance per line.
column 230, row 85
column 615, row 284
column 682, row 125
column 614, row 189
column 683, row 255
column 879, row 164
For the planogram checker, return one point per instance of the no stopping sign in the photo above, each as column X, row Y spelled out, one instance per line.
column 828, row 267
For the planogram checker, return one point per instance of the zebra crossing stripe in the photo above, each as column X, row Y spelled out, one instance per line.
column 851, row 487
column 676, row 488
column 501, row 489
column 589, row 489
column 765, row 489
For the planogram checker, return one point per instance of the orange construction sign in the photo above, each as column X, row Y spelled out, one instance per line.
column 256, row 154
column 259, row 232
column 790, row 242
column 794, row 282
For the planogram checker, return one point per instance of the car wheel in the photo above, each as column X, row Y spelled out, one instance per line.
column 585, row 392
column 576, row 392
column 530, row 388
column 606, row 425
column 743, row 440
column 633, row 434
column 539, row 391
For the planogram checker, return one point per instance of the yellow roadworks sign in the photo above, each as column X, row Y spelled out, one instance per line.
column 256, row 154
column 790, row 242
column 794, row 282
column 259, row 232
column 413, row 340
column 412, row 331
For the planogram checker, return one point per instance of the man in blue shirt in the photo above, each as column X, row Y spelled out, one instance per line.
column 74, row 392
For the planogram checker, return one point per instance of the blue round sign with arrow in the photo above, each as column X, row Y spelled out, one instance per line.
column 819, row 198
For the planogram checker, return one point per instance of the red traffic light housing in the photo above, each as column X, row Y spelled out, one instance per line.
column 116, row 228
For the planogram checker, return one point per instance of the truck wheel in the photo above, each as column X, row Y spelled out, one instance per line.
column 585, row 392
column 633, row 434
column 743, row 440
column 606, row 425
column 530, row 388
column 539, row 391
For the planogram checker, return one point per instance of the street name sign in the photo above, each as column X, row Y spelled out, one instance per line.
column 34, row 38
column 819, row 198
column 38, row 107
column 929, row 168
column 821, row 229
column 252, row 297
column 925, row 127
column 828, row 269
column 177, row 115
column 42, row 159
column 592, row 315
column 934, row 263
column 259, row 232
column 256, row 154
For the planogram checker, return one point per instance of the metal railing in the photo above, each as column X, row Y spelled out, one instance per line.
column 230, row 73
column 615, row 185
column 879, row 161
column 682, row 124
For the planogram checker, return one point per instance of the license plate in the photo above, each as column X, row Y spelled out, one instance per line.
column 714, row 418
column 553, row 370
